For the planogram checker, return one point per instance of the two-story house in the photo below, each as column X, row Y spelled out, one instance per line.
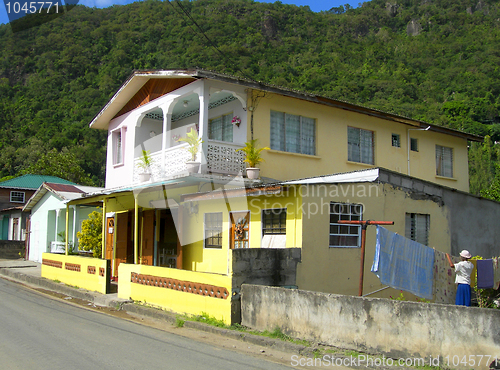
column 184, row 232
column 14, row 194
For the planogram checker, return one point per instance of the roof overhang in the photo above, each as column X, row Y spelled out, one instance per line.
column 139, row 78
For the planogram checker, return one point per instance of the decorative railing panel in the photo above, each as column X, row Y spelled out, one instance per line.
column 224, row 158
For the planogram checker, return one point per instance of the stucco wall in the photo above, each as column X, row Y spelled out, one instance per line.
column 331, row 144
column 337, row 269
column 394, row 328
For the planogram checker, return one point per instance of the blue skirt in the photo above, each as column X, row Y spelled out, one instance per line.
column 463, row 295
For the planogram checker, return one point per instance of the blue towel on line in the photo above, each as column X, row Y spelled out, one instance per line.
column 485, row 279
column 404, row 264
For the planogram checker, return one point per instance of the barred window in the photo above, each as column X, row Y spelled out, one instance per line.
column 345, row 235
column 213, row 230
column 274, row 221
column 292, row 133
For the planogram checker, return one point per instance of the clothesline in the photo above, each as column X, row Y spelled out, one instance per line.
column 406, row 265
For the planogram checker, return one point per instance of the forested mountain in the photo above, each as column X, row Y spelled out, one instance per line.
column 434, row 60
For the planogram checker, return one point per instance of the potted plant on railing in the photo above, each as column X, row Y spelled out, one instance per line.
column 253, row 157
column 193, row 147
column 144, row 164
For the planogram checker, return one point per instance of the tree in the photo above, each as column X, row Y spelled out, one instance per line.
column 90, row 238
column 62, row 164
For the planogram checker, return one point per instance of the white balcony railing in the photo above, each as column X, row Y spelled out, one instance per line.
column 222, row 157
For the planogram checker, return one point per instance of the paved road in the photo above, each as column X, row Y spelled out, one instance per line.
column 40, row 333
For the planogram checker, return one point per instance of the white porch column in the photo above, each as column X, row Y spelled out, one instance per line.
column 204, row 96
column 57, row 224
column 165, row 142
column 75, row 216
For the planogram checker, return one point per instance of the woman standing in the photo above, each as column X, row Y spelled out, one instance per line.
column 463, row 270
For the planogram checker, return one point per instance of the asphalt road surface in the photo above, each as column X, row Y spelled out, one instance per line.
column 37, row 332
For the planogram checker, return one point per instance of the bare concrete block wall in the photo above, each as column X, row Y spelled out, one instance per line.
column 10, row 249
column 261, row 266
column 396, row 329
column 273, row 267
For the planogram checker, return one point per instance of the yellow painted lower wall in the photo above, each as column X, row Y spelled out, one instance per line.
column 84, row 272
column 180, row 291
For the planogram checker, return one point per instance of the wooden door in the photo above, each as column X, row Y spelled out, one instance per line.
column 240, row 235
column 148, row 237
column 121, row 235
column 110, row 232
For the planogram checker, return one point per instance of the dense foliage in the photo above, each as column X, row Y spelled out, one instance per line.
column 434, row 60
column 90, row 238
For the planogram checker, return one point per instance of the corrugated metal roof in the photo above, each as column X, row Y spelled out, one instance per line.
column 32, row 181
column 65, row 188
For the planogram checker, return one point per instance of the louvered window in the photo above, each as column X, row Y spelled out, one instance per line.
column 417, row 227
column 220, row 128
column 291, row 133
column 360, row 145
column 444, row 161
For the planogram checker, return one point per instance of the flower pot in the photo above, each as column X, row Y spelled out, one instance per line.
column 193, row 167
column 253, row 173
column 144, row 176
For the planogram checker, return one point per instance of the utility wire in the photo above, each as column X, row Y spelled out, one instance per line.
column 211, row 43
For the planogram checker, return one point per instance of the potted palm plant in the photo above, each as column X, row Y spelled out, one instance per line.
column 253, row 157
column 194, row 146
column 144, row 164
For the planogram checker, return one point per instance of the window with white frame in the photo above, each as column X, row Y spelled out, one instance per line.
column 274, row 221
column 345, row 235
column 117, row 147
column 17, row 196
column 213, row 230
column 292, row 133
column 417, row 227
column 444, row 161
column 220, row 128
column 360, row 145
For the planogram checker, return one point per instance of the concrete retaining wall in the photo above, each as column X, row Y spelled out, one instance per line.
column 396, row 329
column 10, row 249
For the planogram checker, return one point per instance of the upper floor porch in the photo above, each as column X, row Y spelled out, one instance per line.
column 216, row 111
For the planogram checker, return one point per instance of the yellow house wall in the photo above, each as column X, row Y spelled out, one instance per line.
column 198, row 258
column 81, row 279
column 176, row 301
column 337, row 270
column 331, row 144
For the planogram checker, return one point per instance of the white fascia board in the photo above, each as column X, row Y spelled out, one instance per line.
column 358, row 176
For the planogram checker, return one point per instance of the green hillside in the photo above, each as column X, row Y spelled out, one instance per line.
column 434, row 60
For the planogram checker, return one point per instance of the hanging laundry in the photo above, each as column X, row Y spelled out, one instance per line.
column 496, row 273
column 485, row 274
column 445, row 288
column 403, row 264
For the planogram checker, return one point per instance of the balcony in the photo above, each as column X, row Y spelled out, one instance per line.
column 221, row 158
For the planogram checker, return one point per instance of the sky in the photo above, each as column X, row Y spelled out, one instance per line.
column 314, row 5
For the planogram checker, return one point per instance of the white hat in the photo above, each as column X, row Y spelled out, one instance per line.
column 465, row 254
